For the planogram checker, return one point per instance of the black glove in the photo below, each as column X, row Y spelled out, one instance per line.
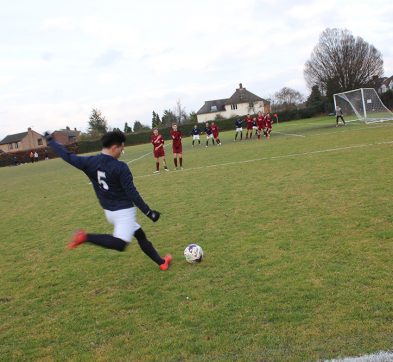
column 153, row 215
column 48, row 136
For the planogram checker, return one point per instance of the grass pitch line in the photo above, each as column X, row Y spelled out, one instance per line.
column 376, row 357
column 290, row 134
column 139, row 158
column 146, row 154
column 337, row 149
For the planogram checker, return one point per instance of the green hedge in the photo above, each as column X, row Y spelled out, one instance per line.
column 86, row 146
column 223, row 125
column 144, row 137
column 21, row 157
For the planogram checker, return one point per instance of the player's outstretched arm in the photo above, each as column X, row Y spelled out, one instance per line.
column 60, row 150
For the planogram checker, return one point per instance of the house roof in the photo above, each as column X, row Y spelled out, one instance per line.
column 13, row 138
column 242, row 95
column 69, row 132
column 219, row 105
column 387, row 81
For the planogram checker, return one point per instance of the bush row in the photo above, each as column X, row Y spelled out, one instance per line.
column 86, row 146
column 21, row 157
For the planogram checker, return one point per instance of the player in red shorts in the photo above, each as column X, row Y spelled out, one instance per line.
column 268, row 125
column 176, row 146
column 260, row 124
column 215, row 131
column 158, row 150
column 249, row 124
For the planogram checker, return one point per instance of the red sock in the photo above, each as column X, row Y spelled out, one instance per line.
column 181, row 161
column 157, row 166
column 175, row 161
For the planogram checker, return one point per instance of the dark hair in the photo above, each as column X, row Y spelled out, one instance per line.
column 113, row 138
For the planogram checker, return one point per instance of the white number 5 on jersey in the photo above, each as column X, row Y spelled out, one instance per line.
column 101, row 180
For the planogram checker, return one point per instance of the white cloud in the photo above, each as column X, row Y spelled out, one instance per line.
column 59, row 62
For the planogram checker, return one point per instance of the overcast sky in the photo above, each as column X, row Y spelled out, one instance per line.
column 61, row 59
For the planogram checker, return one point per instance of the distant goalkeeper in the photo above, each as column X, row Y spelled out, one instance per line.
column 339, row 114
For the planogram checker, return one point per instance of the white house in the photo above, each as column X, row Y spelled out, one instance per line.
column 241, row 103
column 387, row 84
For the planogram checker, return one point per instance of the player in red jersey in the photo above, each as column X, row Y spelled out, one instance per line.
column 158, row 150
column 268, row 125
column 260, row 124
column 249, row 124
column 215, row 131
column 176, row 146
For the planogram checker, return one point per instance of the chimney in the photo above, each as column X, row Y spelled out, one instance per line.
column 29, row 129
column 240, row 86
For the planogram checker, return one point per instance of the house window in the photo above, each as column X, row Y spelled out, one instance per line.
column 213, row 109
column 39, row 141
column 16, row 145
column 233, row 106
column 10, row 146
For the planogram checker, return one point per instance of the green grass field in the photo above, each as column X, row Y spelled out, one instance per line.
column 297, row 233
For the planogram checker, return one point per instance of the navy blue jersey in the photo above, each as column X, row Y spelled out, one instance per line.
column 195, row 132
column 111, row 179
column 239, row 123
column 208, row 130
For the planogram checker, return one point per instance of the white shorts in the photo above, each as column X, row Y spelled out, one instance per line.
column 239, row 129
column 124, row 222
column 254, row 127
column 195, row 137
column 209, row 136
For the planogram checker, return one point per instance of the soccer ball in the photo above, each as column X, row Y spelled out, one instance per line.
column 193, row 253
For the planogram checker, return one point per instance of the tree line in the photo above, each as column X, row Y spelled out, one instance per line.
column 98, row 124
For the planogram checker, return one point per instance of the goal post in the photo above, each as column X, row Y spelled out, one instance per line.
column 364, row 104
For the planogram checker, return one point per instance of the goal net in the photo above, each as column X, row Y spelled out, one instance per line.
column 364, row 104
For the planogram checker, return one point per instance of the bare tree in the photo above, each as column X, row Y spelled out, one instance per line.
column 180, row 112
column 287, row 98
column 341, row 62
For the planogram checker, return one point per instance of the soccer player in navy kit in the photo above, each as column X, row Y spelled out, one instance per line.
column 254, row 125
column 209, row 134
column 239, row 128
column 195, row 135
column 113, row 184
